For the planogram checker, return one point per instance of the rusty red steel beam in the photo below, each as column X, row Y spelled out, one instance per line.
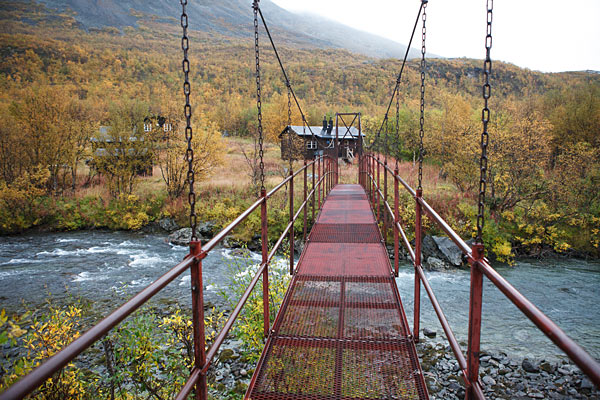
column 231, row 320
column 189, row 384
column 397, row 225
column 402, row 181
column 583, row 360
column 460, row 357
column 52, row 365
column 223, row 334
column 227, row 230
column 460, row 243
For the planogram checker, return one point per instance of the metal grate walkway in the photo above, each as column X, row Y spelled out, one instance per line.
column 341, row 332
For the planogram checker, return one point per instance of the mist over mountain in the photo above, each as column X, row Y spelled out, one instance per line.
column 234, row 18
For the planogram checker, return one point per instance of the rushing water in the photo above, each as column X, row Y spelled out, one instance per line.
column 106, row 267
column 567, row 291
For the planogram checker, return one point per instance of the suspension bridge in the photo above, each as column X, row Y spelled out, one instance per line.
column 341, row 331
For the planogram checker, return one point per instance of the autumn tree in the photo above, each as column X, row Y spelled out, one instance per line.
column 123, row 150
column 519, row 155
column 43, row 119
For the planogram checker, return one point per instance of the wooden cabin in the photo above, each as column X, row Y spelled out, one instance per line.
column 302, row 141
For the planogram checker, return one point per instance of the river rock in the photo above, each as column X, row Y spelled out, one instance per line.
column 435, row 264
column 181, row 237
column 206, row 229
column 167, row 224
column 429, row 333
column 451, row 253
column 586, row 384
column 255, row 244
column 530, row 366
column 444, row 249
column 298, row 246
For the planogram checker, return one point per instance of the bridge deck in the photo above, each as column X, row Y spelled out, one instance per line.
column 341, row 332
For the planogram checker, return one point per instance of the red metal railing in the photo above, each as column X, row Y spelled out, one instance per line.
column 193, row 261
column 369, row 177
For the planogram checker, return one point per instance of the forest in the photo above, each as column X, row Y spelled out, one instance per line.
column 64, row 89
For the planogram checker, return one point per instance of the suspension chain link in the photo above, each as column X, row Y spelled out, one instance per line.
column 397, row 155
column 385, row 142
column 290, row 141
column 485, row 119
column 189, row 155
column 258, row 98
column 422, row 119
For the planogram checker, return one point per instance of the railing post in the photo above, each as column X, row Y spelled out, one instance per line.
column 337, row 169
column 201, row 389
column 292, row 221
column 304, row 200
column 373, row 194
column 418, row 241
column 314, row 190
column 265, row 251
column 319, row 160
column 326, row 169
column 385, row 199
column 396, row 221
column 377, row 191
column 475, row 306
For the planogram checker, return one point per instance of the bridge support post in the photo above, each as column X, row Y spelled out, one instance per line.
column 292, row 222
column 396, row 221
column 314, row 190
column 198, row 319
column 319, row 161
column 304, row 201
column 418, row 262
column 373, row 193
column 385, row 199
column 377, row 191
column 265, row 255
column 475, row 307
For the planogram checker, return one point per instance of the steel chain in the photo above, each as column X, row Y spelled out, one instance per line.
column 290, row 141
column 258, row 98
column 485, row 119
column 422, row 119
column 385, row 142
column 189, row 155
column 397, row 155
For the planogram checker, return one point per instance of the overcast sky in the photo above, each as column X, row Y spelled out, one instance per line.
column 544, row 35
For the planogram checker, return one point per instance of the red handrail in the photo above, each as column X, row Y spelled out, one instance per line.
column 203, row 359
column 479, row 266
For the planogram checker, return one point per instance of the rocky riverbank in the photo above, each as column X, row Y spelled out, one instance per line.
column 503, row 377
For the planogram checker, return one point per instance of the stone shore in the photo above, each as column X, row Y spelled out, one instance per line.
column 503, row 377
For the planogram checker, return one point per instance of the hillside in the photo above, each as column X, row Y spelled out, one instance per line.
column 233, row 18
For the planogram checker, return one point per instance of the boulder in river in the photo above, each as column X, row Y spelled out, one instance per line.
column 181, row 237
column 441, row 253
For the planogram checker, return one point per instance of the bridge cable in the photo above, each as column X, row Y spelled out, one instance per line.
column 423, row 2
column 385, row 143
column 258, row 97
column 189, row 154
column 422, row 119
column 285, row 75
column 485, row 119
column 290, row 141
column 397, row 155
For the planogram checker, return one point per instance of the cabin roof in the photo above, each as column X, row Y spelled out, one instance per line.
column 322, row 133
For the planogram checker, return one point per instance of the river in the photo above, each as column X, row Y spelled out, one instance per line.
column 106, row 267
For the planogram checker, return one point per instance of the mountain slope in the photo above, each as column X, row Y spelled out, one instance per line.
column 234, row 18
